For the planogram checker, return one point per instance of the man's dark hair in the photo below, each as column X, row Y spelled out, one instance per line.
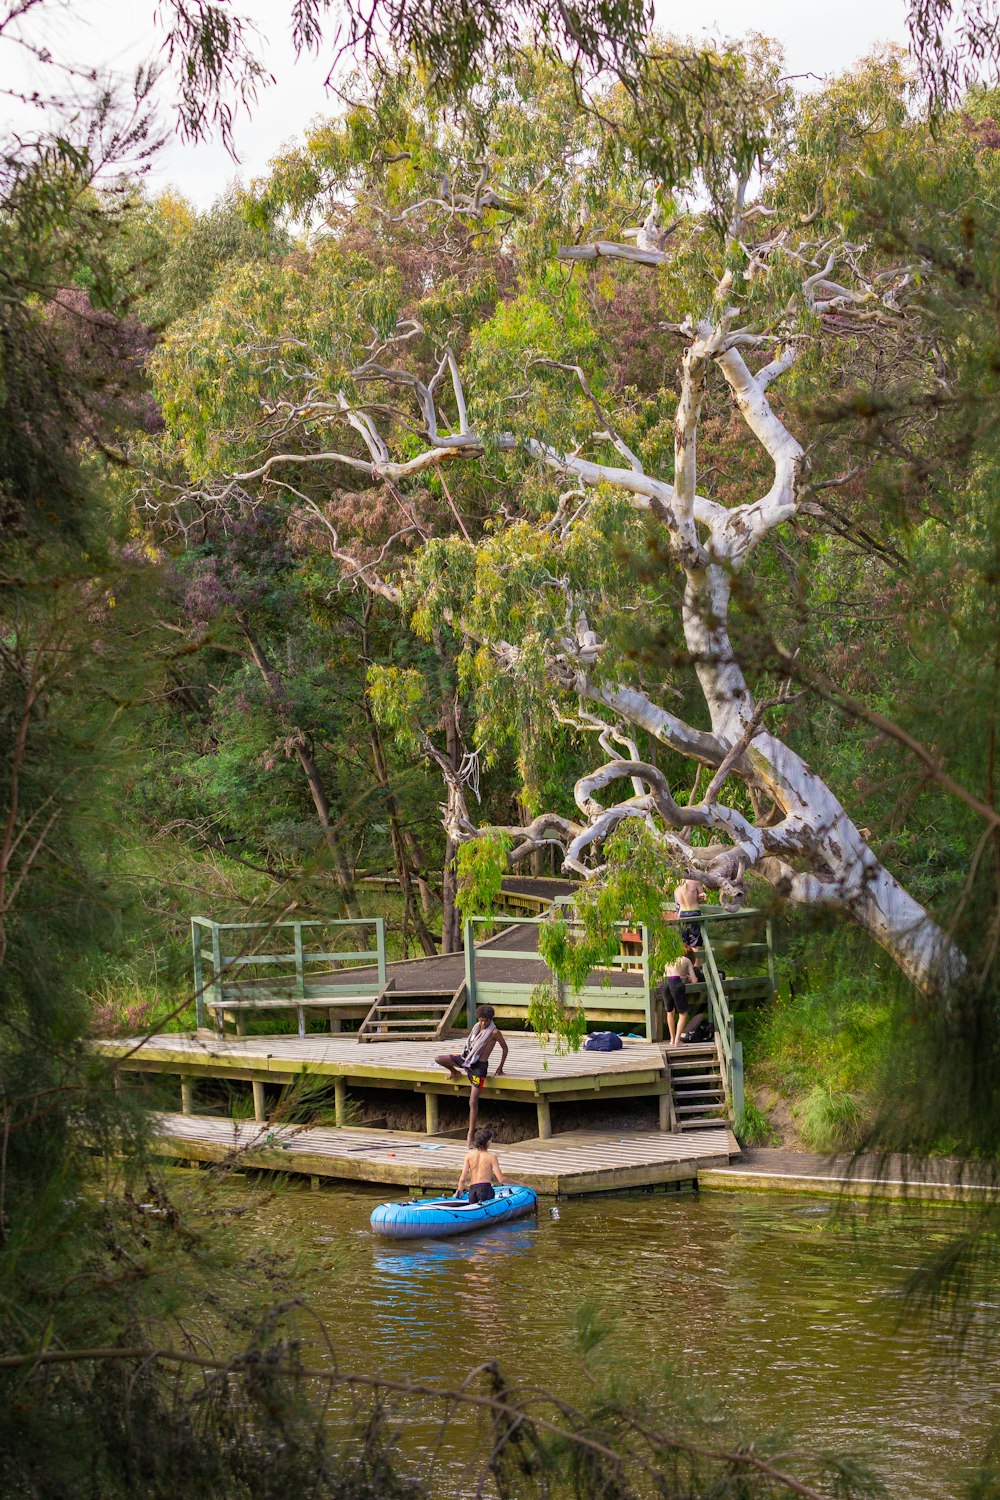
column 485, row 1012
column 481, row 1139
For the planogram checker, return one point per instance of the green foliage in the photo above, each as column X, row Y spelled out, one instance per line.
column 398, row 697
column 482, row 864
column 572, row 955
column 551, row 1018
column 176, row 258
column 638, row 882
column 831, row 1024
column 632, row 892
column 830, row 1120
column 438, row 587
column 752, row 1127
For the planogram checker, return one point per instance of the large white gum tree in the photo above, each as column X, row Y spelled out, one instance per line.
column 510, row 365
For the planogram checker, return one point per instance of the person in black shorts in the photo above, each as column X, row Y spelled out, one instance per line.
column 689, row 895
column 672, row 990
column 480, row 1167
column 473, row 1060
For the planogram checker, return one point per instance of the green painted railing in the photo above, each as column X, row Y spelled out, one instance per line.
column 730, row 1048
column 291, row 970
column 722, row 948
column 477, row 954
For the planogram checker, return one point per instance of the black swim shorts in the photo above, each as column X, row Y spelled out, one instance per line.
column 676, row 993
column 481, row 1192
column 690, row 929
column 477, row 1072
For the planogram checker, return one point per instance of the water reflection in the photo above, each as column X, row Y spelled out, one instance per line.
column 415, row 1257
column 783, row 1311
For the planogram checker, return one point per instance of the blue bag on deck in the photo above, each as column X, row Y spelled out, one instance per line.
column 602, row 1041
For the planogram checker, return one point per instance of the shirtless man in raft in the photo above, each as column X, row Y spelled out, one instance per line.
column 480, row 1167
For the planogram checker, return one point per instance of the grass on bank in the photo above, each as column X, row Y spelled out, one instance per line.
column 815, row 1054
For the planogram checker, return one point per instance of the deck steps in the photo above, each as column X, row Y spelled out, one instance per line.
column 398, row 1016
column 697, row 1089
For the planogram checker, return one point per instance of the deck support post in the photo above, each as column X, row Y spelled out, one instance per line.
column 432, row 1118
column 335, row 1022
column 187, row 1095
column 664, row 1121
column 737, row 1102
column 259, row 1101
column 647, row 991
column 339, row 1100
column 241, row 1023
column 544, row 1120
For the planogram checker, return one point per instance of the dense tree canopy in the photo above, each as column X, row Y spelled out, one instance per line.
column 615, row 454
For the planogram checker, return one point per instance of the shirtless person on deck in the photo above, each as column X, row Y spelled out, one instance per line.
column 679, row 975
column 480, row 1167
column 689, row 895
column 474, row 1059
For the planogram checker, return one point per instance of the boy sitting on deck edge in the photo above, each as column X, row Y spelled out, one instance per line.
column 474, row 1059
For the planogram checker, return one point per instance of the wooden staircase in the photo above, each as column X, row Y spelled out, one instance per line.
column 399, row 1016
column 697, row 1088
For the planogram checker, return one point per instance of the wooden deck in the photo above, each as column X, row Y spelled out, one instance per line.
column 532, row 1076
column 576, row 1162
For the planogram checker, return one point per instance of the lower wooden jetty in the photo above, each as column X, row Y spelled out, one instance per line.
column 575, row 1162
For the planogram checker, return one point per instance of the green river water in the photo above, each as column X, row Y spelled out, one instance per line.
column 786, row 1312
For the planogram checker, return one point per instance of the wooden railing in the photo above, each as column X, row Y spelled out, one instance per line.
column 593, row 997
column 225, row 952
column 729, row 1047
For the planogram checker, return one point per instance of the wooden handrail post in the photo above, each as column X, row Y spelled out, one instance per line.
column 199, row 983
column 300, row 972
column 770, row 958
column 470, row 974
column 380, row 949
column 217, row 994
column 647, row 992
column 722, row 1020
column 738, row 1098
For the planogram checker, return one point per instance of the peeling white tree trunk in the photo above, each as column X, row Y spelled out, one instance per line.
column 802, row 842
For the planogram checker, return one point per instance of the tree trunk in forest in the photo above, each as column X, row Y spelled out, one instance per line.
column 341, row 868
column 451, row 933
column 412, row 909
column 451, row 926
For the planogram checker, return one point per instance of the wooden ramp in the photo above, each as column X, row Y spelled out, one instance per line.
column 579, row 1161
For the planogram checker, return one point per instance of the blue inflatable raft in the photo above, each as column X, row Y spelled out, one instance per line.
column 433, row 1218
